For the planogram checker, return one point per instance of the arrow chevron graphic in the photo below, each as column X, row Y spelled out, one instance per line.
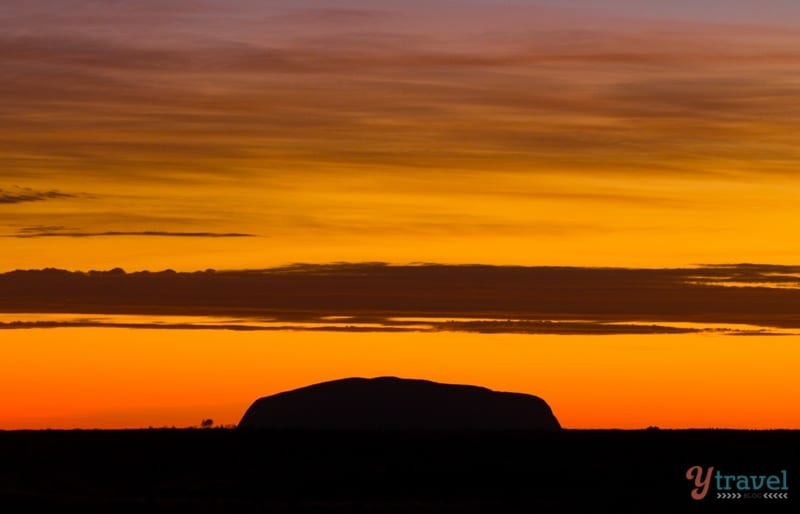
column 766, row 496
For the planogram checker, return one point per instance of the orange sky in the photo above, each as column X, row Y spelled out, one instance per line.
column 246, row 134
column 528, row 134
column 121, row 378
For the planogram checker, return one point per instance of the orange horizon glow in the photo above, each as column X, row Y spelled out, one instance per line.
column 120, row 378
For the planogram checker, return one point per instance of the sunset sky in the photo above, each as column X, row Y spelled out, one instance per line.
column 249, row 134
column 237, row 134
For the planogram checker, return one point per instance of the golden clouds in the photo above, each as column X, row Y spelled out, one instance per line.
column 599, row 99
column 352, row 134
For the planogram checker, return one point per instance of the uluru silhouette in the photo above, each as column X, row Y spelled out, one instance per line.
column 398, row 404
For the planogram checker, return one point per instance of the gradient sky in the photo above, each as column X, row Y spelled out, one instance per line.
column 231, row 134
column 162, row 134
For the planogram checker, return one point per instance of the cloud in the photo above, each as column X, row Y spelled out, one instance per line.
column 25, row 195
column 386, row 325
column 266, row 106
column 732, row 299
column 35, row 232
column 334, row 16
column 601, row 99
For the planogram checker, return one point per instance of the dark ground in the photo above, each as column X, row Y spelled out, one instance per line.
column 232, row 471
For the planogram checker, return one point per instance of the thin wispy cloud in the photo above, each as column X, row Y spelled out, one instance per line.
column 25, row 195
column 28, row 233
column 388, row 325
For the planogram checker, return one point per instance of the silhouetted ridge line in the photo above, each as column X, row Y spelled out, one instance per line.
column 390, row 403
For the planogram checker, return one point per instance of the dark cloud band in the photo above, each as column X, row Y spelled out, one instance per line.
column 476, row 298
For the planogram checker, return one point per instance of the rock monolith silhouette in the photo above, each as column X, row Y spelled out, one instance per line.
column 389, row 403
